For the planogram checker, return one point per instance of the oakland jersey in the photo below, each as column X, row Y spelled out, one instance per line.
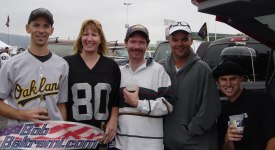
column 24, row 79
column 92, row 92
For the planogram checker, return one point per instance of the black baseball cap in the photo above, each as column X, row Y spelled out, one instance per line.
column 227, row 68
column 41, row 12
column 137, row 28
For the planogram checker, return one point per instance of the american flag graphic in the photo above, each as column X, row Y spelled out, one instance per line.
column 70, row 130
column 52, row 130
column 11, row 130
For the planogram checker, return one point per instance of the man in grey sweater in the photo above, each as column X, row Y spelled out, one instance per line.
column 192, row 124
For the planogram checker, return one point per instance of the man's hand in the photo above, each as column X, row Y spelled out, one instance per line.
column 233, row 134
column 131, row 98
column 34, row 114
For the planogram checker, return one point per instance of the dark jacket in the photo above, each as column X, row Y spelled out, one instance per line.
column 192, row 124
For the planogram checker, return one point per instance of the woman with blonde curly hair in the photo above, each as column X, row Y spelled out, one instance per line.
column 94, row 81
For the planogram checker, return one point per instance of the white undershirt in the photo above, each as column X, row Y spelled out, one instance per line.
column 177, row 69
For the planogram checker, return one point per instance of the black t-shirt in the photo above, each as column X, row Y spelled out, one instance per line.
column 92, row 92
column 259, row 124
column 42, row 58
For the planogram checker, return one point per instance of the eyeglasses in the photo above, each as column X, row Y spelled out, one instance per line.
column 179, row 23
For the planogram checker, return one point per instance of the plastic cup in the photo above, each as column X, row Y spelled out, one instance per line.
column 237, row 121
column 131, row 85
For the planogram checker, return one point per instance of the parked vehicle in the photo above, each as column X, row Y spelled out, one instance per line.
column 119, row 54
column 149, row 54
column 20, row 50
column 259, row 25
column 241, row 45
column 61, row 47
column 164, row 49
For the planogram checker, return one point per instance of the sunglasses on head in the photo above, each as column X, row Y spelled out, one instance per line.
column 96, row 22
column 179, row 23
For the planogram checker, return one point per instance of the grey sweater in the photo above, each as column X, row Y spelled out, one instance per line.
column 192, row 124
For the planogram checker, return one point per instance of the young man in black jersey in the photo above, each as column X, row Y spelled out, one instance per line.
column 256, row 108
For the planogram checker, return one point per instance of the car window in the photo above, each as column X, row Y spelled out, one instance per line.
column 260, row 63
column 118, row 52
column 162, row 51
column 201, row 49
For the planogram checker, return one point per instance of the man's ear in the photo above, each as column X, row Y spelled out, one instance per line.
column 169, row 38
column 28, row 28
column 125, row 44
column 217, row 83
column 52, row 30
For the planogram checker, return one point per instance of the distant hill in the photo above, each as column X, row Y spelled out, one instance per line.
column 15, row 40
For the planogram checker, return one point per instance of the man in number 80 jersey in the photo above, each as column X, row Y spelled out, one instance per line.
column 93, row 81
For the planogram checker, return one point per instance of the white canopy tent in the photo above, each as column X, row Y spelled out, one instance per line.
column 3, row 45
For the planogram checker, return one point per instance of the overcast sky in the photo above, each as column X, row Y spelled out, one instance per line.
column 69, row 14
